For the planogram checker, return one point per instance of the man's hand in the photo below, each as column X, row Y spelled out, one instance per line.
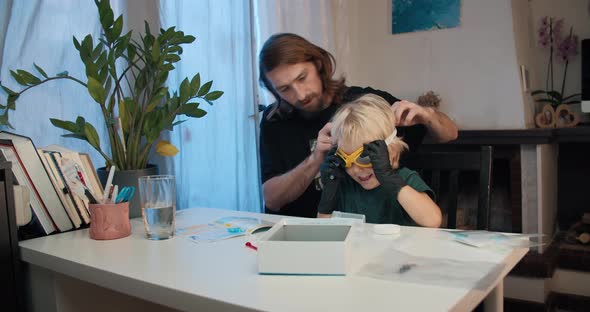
column 385, row 174
column 331, row 173
column 324, row 142
column 439, row 125
column 409, row 114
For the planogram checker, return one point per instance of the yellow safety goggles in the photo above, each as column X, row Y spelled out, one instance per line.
column 354, row 158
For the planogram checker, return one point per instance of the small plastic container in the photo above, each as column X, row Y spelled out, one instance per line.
column 358, row 220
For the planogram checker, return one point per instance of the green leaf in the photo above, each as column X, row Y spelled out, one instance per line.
column 102, row 76
column 131, row 52
column 212, row 96
column 40, row 70
column 4, row 120
column 175, row 49
column 102, row 60
column 195, row 84
column 205, row 88
column 198, row 113
column 75, row 136
column 107, row 17
column 20, row 80
column 156, row 51
column 572, row 102
column 76, row 43
column 117, row 27
column 86, row 46
column 96, row 90
column 122, row 45
column 192, row 110
column 11, row 102
column 80, row 123
column 187, row 39
column 28, row 77
column 552, row 101
column 571, row 96
column 188, row 108
column 62, row 124
column 92, row 136
column 155, row 101
column 97, row 51
column 172, row 58
column 8, row 91
column 185, row 91
column 107, row 85
column 92, row 71
column 179, row 122
column 147, row 28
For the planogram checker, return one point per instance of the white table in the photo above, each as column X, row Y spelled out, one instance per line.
column 70, row 271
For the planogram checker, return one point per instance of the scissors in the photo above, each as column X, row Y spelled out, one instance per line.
column 125, row 194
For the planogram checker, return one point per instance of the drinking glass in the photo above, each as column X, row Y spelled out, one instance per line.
column 157, row 194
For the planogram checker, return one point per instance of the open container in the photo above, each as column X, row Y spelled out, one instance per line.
column 305, row 247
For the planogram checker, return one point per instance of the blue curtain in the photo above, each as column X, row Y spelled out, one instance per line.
column 217, row 165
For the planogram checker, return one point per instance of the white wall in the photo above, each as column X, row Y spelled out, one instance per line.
column 475, row 67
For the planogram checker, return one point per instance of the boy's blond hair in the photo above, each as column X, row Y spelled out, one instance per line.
column 366, row 119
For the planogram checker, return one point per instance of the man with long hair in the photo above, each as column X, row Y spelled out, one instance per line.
column 295, row 130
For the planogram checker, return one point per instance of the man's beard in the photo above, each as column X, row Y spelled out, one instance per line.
column 319, row 107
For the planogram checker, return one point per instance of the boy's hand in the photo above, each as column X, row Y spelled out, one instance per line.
column 332, row 169
column 331, row 173
column 385, row 174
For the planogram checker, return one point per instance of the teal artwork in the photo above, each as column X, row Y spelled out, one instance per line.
column 421, row 15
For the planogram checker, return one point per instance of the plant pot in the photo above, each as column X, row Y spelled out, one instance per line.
column 129, row 178
column 563, row 116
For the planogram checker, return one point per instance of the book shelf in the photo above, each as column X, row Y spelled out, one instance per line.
column 12, row 296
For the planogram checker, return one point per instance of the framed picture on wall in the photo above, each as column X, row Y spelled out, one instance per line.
column 423, row 15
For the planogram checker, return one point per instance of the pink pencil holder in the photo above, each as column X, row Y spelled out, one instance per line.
column 109, row 221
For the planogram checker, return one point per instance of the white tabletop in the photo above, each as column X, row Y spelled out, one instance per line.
column 223, row 275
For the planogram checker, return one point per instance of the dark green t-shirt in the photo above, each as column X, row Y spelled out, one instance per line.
column 377, row 205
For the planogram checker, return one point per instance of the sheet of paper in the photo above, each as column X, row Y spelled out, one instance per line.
column 222, row 228
column 396, row 265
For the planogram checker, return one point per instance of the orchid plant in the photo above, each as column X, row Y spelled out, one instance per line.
column 564, row 48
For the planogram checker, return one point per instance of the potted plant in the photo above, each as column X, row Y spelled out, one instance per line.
column 556, row 111
column 126, row 77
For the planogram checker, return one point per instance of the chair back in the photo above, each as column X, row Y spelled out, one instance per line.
column 448, row 164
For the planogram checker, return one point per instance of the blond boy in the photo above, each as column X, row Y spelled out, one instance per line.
column 362, row 174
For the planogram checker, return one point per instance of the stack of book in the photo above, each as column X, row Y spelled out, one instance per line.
column 60, row 182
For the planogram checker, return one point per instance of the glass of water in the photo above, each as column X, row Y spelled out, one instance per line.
column 157, row 194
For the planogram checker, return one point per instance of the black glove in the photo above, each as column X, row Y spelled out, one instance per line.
column 331, row 173
column 388, row 177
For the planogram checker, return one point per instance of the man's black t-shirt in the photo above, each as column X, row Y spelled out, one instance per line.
column 286, row 140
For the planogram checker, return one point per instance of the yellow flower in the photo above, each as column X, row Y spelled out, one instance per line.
column 165, row 148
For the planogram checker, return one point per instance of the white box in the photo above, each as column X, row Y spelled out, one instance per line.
column 298, row 246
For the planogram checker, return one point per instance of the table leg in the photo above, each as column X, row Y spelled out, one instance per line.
column 495, row 299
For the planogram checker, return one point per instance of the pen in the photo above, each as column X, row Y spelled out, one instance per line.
column 249, row 245
column 107, row 186
column 115, row 193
